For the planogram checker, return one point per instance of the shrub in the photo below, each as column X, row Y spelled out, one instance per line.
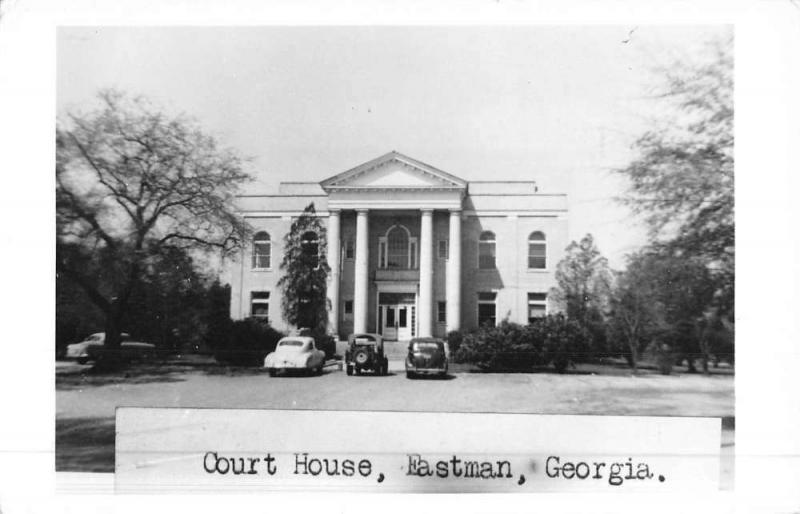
column 565, row 341
column 247, row 343
column 510, row 346
column 454, row 339
column 325, row 342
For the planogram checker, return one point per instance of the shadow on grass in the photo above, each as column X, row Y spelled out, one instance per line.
column 85, row 444
column 148, row 373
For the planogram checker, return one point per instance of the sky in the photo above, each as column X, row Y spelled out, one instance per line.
column 558, row 105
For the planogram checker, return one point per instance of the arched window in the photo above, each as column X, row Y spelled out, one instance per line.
column 262, row 251
column 310, row 244
column 487, row 251
column 397, row 249
column 537, row 251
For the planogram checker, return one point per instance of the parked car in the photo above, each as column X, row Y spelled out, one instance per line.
column 90, row 348
column 365, row 353
column 295, row 353
column 426, row 356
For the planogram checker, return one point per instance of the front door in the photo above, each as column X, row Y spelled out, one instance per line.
column 396, row 322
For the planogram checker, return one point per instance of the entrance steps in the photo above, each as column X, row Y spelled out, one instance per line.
column 396, row 350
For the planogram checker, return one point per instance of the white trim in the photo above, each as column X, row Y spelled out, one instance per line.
column 386, row 205
column 545, row 302
column 396, row 287
column 516, row 212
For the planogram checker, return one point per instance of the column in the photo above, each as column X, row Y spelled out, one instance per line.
column 426, row 274
column 361, row 285
column 334, row 254
column 453, row 285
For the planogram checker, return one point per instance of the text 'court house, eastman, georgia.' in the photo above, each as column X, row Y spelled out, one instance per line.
column 414, row 251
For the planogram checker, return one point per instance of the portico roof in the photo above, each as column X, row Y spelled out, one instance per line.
column 394, row 171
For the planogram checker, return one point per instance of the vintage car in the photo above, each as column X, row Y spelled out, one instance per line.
column 365, row 353
column 295, row 353
column 91, row 347
column 426, row 356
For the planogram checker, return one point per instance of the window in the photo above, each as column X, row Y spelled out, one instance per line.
column 444, row 249
column 262, row 251
column 259, row 305
column 486, row 251
column 537, row 306
column 441, row 312
column 487, row 309
column 397, row 249
column 348, row 307
column 349, row 249
column 537, row 251
column 310, row 245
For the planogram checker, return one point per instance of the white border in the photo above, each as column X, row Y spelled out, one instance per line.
column 767, row 82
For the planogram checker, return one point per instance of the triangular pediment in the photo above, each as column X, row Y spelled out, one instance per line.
column 393, row 171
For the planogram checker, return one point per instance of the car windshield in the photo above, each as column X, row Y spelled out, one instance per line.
column 291, row 342
column 426, row 346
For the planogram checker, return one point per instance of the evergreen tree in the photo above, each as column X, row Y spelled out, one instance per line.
column 305, row 273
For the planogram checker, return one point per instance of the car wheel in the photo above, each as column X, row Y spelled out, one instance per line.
column 319, row 370
column 349, row 370
column 409, row 375
column 358, row 370
column 82, row 360
column 272, row 372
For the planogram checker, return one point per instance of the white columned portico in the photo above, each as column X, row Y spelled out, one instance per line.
column 334, row 254
column 453, row 285
column 426, row 274
column 361, row 285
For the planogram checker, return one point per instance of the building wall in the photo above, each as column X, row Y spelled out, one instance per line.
column 511, row 279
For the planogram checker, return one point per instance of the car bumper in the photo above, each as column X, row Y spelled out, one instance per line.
column 286, row 365
column 427, row 371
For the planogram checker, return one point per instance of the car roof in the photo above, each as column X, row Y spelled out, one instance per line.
column 365, row 335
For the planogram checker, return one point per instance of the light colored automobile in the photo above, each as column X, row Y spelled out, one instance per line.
column 295, row 353
column 89, row 349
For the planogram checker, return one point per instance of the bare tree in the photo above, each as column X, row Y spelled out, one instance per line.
column 131, row 183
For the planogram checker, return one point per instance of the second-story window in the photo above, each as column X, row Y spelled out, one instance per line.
column 487, row 251
column 262, row 250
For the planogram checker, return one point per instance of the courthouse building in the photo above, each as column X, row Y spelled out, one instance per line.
column 413, row 250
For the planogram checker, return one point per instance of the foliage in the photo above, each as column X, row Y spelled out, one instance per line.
column 454, row 340
column 168, row 303
column 682, row 179
column 325, row 342
column 172, row 306
column 131, row 184
column 664, row 298
column 509, row 346
column 584, row 284
column 305, row 273
column 247, row 343
column 216, row 316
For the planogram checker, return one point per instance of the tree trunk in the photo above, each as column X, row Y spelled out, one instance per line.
column 110, row 359
column 634, row 356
